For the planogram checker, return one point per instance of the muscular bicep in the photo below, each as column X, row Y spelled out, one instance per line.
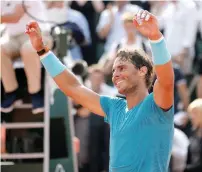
column 164, row 86
column 163, row 97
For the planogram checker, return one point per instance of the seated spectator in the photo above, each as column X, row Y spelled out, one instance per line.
column 15, row 19
column 110, row 25
column 194, row 160
column 60, row 12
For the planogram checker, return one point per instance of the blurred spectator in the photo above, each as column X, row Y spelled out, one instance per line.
column 110, row 25
column 15, row 18
column 131, row 40
column 97, row 81
column 60, row 12
column 199, row 85
column 91, row 130
column 181, row 92
column 90, row 9
column 194, row 160
column 179, row 151
column 179, row 22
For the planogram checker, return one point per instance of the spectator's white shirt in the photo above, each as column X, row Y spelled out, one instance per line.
column 180, row 25
column 179, row 150
column 35, row 8
column 123, row 44
column 117, row 31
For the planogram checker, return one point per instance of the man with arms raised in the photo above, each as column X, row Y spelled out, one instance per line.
column 141, row 126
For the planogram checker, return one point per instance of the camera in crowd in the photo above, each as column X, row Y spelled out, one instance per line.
column 66, row 36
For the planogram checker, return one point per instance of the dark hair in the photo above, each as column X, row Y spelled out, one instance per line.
column 139, row 58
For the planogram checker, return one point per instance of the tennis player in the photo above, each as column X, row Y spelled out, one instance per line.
column 141, row 127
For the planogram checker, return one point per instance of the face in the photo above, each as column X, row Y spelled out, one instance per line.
column 196, row 118
column 125, row 76
column 129, row 28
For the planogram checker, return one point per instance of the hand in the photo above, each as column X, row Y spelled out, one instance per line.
column 147, row 25
column 34, row 33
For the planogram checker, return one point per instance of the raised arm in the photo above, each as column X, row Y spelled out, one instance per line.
column 64, row 78
column 147, row 25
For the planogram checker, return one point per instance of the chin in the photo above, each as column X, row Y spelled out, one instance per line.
column 121, row 91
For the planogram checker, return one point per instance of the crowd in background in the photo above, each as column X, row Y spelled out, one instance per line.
column 107, row 26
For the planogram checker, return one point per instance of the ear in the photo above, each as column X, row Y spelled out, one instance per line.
column 143, row 71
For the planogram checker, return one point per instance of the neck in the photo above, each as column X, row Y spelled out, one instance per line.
column 131, row 39
column 136, row 97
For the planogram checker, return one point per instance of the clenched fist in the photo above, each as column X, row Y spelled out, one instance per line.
column 147, row 25
column 34, row 33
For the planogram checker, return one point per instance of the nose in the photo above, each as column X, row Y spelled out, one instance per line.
column 115, row 75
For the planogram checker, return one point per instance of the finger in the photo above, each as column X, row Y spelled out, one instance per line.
column 135, row 22
column 143, row 14
column 139, row 14
column 147, row 17
column 33, row 24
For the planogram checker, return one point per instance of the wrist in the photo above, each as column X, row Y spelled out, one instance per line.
column 43, row 50
column 155, row 36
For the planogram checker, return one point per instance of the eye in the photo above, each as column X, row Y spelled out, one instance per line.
column 121, row 68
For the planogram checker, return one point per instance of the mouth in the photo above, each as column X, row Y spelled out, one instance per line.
column 118, row 83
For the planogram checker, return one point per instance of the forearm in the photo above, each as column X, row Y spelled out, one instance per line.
column 10, row 18
column 63, row 77
column 162, row 61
